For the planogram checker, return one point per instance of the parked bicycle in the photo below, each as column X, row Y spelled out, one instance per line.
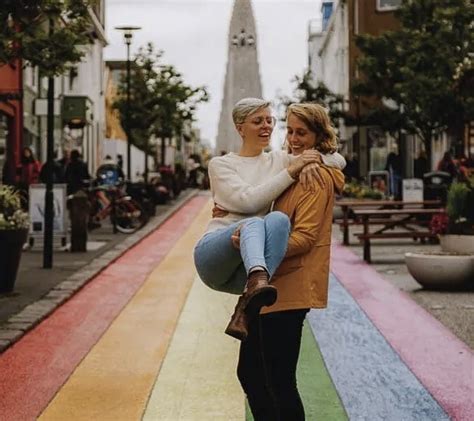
column 109, row 201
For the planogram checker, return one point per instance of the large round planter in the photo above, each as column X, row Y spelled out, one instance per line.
column 11, row 246
column 441, row 270
column 457, row 243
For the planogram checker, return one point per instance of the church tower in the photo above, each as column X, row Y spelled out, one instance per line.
column 242, row 77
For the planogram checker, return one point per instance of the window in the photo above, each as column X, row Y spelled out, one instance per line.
column 387, row 5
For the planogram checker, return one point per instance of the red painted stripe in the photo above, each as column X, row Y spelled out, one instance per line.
column 442, row 362
column 34, row 368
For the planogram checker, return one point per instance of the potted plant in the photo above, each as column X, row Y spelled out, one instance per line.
column 14, row 223
column 453, row 265
column 457, row 233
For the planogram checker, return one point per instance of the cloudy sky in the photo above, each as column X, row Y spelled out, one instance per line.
column 193, row 35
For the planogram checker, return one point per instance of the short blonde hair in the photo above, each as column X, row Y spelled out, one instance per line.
column 247, row 106
column 317, row 119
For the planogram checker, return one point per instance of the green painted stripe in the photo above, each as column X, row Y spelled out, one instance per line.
column 320, row 398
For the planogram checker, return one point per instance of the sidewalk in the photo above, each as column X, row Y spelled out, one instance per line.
column 39, row 291
column 454, row 309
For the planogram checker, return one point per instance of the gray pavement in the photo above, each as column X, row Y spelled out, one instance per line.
column 454, row 309
column 40, row 291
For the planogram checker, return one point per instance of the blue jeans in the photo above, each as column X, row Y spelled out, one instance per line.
column 263, row 242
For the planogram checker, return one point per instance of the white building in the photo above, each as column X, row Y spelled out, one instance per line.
column 79, row 101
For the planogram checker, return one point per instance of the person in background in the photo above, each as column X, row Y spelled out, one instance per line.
column 63, row 163
column 77, row 173
column 420, row 165
column 29, row 169
column 394, row 168
column 58, row 172
column 448, row 165
column 351, row 171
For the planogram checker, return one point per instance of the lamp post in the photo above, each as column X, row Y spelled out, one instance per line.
column 127, row 35
column 49, row 195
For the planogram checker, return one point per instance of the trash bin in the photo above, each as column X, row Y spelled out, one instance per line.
column 436, row 185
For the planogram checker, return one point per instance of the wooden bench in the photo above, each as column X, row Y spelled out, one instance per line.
column 348, row 206
column 397, row 218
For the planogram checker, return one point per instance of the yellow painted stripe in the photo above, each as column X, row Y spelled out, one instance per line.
column 198, row 380
column 115, row 379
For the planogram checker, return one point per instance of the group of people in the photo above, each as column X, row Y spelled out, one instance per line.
column 269, row 242
column 70, row 170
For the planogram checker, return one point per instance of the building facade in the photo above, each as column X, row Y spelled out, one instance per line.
column 11, row 118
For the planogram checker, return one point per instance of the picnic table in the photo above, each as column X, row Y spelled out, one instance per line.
column 349, row 206
column 403, row 221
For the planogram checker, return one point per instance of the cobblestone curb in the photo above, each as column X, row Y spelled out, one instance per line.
column 17, row 325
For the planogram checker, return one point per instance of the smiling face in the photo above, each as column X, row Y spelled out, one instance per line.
column 299, row 136
column 257, row 128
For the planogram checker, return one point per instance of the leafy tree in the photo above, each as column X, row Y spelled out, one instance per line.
column 424, row 67
column 307, row 91
column 161, row 102
column 25, row 32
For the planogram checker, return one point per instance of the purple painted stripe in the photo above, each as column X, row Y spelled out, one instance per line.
column 442, row 362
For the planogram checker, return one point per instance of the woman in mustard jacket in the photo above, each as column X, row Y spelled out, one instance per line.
column 269, row 356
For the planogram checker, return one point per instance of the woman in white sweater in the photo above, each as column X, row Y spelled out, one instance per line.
column 245, row 184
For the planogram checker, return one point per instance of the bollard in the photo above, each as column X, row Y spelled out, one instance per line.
column 79, row 208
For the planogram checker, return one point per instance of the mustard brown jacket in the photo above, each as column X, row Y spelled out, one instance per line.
column 302, row 278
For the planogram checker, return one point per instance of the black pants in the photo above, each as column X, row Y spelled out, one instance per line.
column 267, row 366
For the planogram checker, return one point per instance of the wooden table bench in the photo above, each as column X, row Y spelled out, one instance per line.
column 393, row 218
column 351, row 205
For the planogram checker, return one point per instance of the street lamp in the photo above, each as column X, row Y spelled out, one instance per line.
column 127, row 35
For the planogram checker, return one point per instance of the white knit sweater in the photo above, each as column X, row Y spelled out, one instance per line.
column 246, row 186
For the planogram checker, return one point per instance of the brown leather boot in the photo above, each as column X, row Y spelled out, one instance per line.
column 259, row 293
column 238, row 325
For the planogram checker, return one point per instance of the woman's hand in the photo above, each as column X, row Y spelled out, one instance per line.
column 218, row 212
column 309, row 158
column 236, row 238
column 309, row 174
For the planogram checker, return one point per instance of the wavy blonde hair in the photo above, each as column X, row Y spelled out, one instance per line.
column 317, row 119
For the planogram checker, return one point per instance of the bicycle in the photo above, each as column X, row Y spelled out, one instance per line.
column 126, row 214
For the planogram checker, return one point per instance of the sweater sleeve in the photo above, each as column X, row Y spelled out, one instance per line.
column 335, row 160
column 235, row 195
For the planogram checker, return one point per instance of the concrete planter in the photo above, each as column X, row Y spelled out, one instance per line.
column 441, row 270
column 457, row 243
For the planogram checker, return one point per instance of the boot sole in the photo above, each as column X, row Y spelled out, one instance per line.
column 237, row 334
column 265, row 296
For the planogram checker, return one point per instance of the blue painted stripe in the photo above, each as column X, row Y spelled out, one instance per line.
column 371, row 379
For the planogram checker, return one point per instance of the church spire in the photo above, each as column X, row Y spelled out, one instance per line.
column 242, row 77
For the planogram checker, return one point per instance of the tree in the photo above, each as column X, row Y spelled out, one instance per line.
column 48, row 34
column 26, row 32
column 420, row 68
column 161, row 102
column 307, row 91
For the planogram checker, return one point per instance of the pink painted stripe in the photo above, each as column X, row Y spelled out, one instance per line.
column 33, row 369
column 443, row 363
